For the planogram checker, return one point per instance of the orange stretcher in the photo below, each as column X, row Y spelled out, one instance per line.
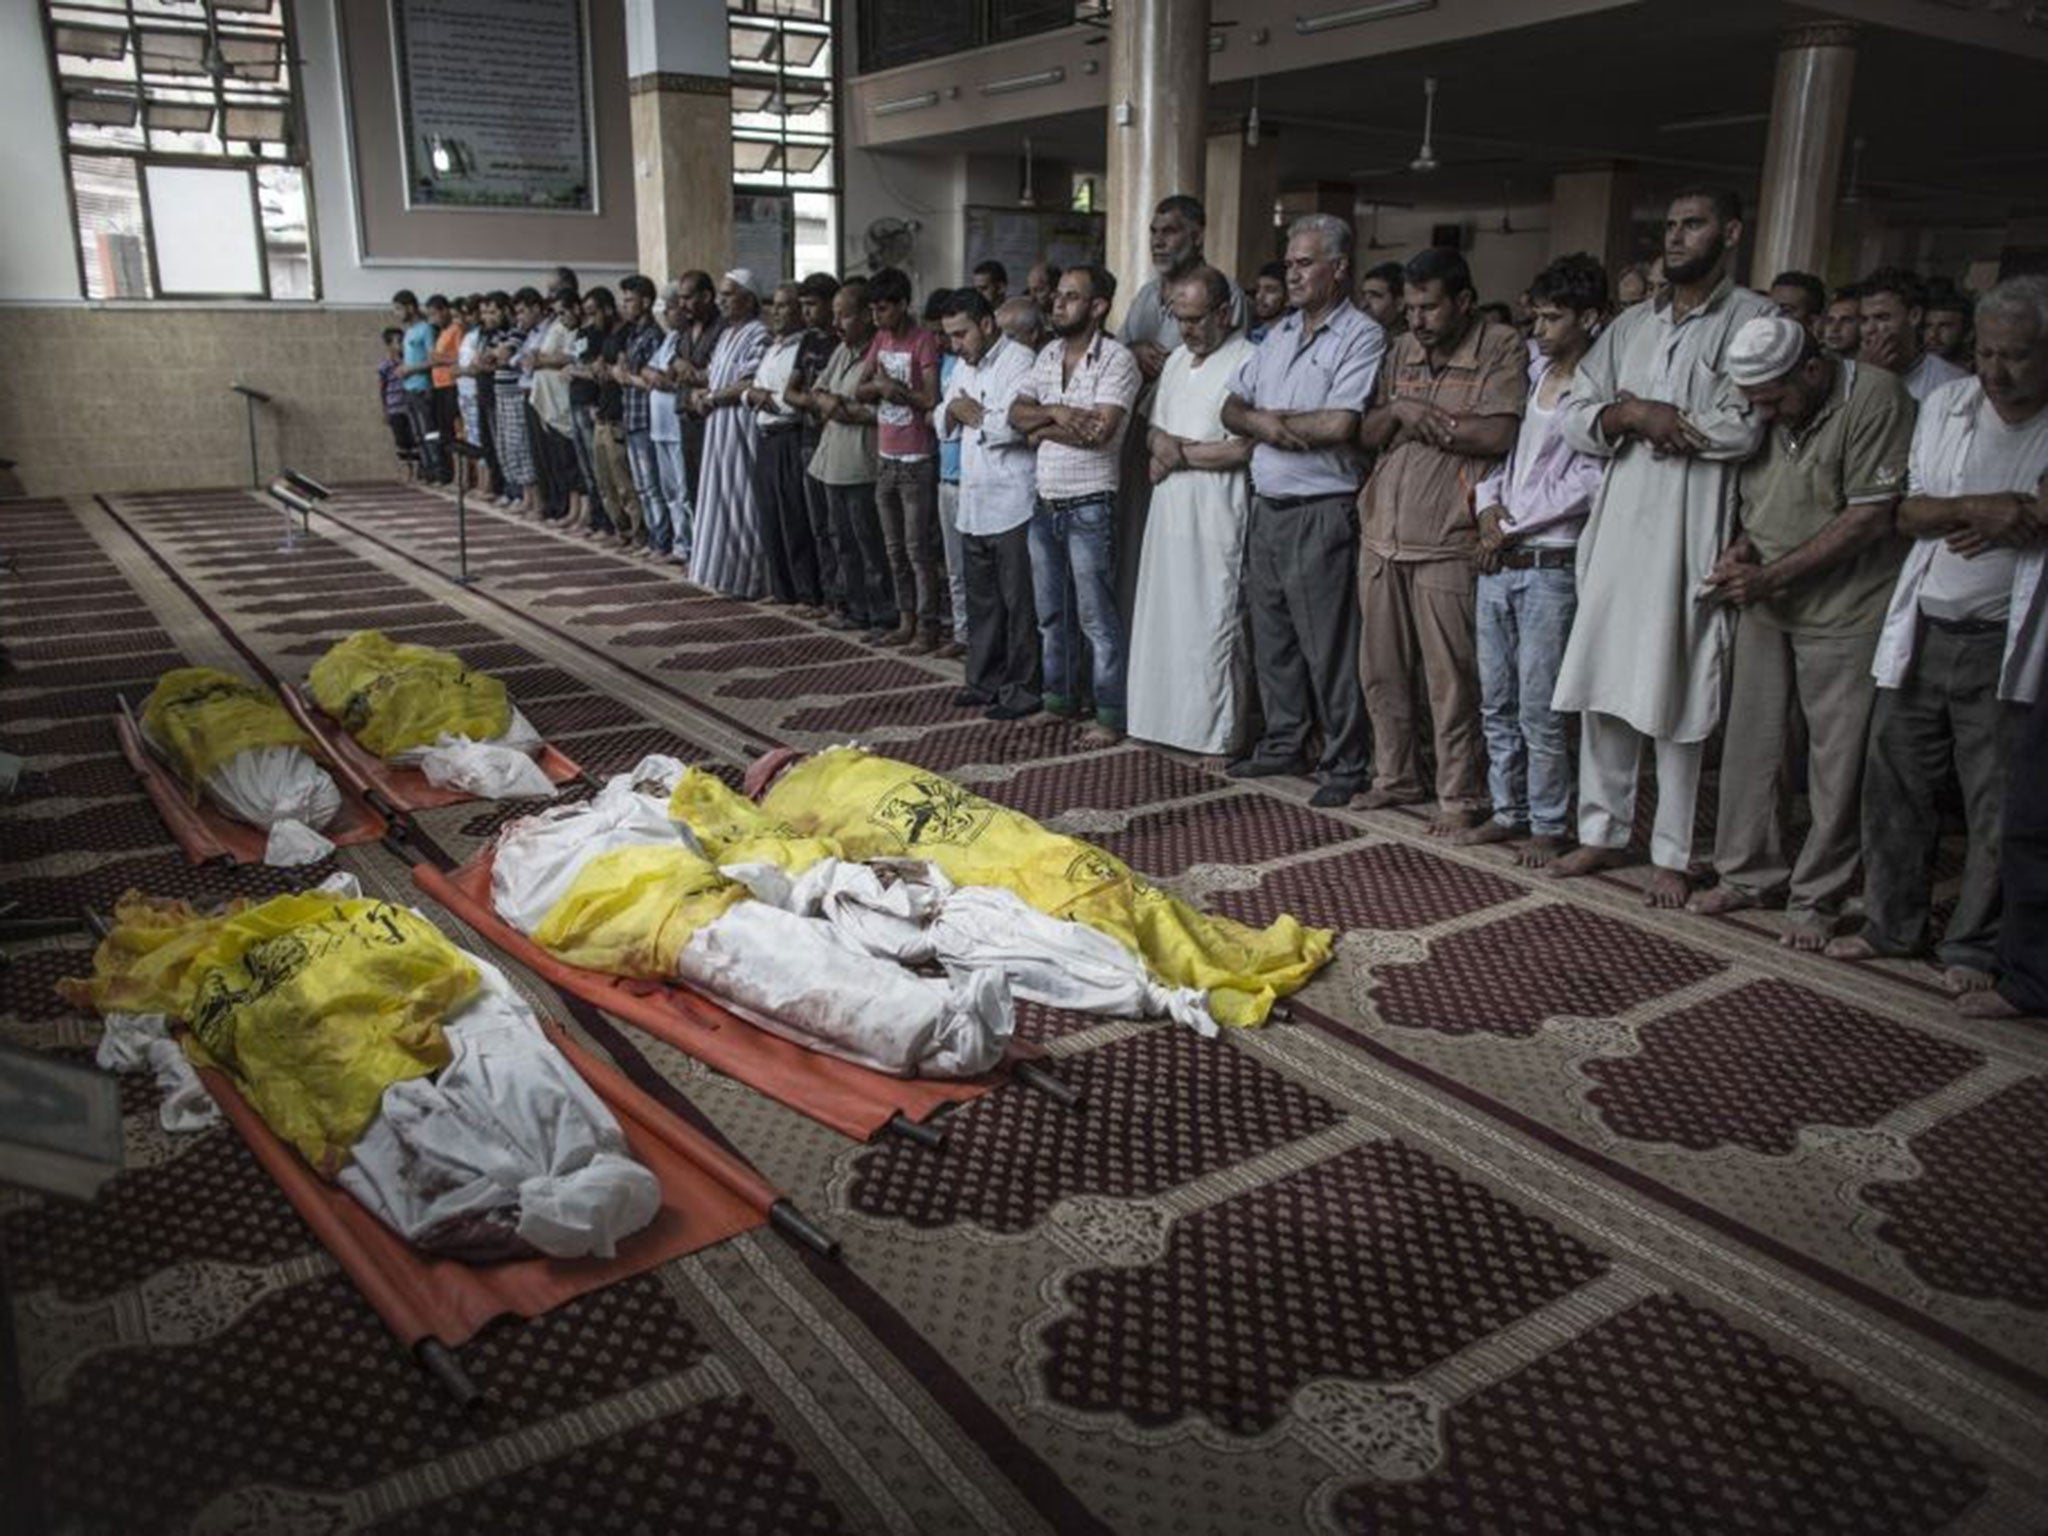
column 854, row 1100
column 209, row 835
column 400, row 790
column 435, row 1304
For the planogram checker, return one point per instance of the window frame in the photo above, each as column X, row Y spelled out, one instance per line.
column 298, row 156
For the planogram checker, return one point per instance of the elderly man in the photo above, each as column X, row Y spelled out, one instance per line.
column 1074, row 409
column 1040, row 284
column 1299, row 398
column 729, row 555
column 998, row 488
column 1893, row 305
column 794, row 565
column 1024, row 323
column 1809, row 575
column 1187, row 658
column 1646, row 651
column 1841, row 323
column 1965, row 638
column 1444, row 414
column 1149, row 329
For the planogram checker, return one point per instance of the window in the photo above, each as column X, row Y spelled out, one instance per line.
column 894, row 32
column 180, row 126
column 785, row 104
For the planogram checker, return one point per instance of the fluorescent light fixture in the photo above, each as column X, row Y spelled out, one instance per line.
column 1029, row 82
column 1352, row 15
column 915, row 103
column 1718, row 120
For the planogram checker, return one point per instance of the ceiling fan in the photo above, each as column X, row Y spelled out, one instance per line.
column 1425, row 162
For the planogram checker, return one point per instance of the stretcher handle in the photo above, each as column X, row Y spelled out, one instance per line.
column 793, row 1223
column 1066, row 1095
column 439, row 1362
column 98, row 926
column 924, row 1135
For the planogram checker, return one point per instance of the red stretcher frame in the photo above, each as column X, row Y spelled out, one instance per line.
column 854, row 1100
column 405, row 790
column 707, row 1196
column 209, row 835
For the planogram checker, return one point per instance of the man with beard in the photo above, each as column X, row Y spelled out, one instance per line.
column 1800, row 296
column 1445, row 413
column 1647, row 649
column 1269, row 301
column 1945, row 327
column 992, row 282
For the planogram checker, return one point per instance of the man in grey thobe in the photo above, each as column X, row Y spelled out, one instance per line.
column 1648, row 646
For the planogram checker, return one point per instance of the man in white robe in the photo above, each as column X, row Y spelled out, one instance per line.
column 1188, row 663
column 1648, row 644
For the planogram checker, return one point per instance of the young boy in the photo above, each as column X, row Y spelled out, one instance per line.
column 1531, row 511
column 391, row 392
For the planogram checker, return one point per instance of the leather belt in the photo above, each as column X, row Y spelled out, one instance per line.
column 1537, row 559
column 1966, row 626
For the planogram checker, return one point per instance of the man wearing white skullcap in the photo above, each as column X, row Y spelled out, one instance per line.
column 1647, row 648
column 1809, row 575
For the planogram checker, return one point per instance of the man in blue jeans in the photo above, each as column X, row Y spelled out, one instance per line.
column 416, row 373
column 643, row 338
column 1530, row 512
column 1073, row 410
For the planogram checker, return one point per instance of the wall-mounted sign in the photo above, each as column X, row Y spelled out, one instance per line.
column 494, row 104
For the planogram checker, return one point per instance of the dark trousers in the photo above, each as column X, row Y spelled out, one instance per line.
column 554, row 458
column 447, row 418
column 907, row 499
column 785, row 516
column 692, row 428
column 1301, row 588
column 401, row 436
column 1947, row 712
column 824, row 538
column 863, row 555
column 419, row 410
column 1002, row 618
column 2023, row 863
column 487, row 418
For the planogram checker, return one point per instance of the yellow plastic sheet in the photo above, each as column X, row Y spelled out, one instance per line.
column 314, row 1004
column 393, row 698
column 201, row 717
column 630, row 911
column 875, row 807
column 734, row 830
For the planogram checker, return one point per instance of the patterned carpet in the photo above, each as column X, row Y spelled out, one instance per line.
column 1543, row 1212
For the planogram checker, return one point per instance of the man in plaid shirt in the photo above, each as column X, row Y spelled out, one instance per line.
column 643, row 337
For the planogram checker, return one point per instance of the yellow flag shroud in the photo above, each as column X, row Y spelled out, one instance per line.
column 313, row 1004
column 393, row 697
column 866, row 807
column 201, row 717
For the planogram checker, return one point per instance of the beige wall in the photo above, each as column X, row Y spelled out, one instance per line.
column 137, row 398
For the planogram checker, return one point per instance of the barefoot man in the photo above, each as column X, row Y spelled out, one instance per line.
column 1648, row 645
column 1810, row 573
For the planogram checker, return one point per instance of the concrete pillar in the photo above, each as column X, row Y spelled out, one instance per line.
column 679, row 81
column 1241, row 180
column 1158, row 95
column 1803, row 155
column 1589, row 211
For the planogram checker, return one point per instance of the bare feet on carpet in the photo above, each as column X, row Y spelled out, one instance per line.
column 1667, row 890
column 1963, row 979
column 1721, row 900
column 1853, row 947
column 1986, row 1003
column 1099, row 735
column 1484, row 833
column 1385, row 799
column 1586, row 861
column 1541, row 851
column 1808, row 933
column 1449, row 822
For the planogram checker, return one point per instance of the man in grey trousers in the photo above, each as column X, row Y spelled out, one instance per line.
column 1299, row 399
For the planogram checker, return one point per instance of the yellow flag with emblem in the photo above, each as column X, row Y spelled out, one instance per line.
column 314, row 1004
column 200, row 717
column 731, row 829
column 394, row 697
column 629, row 911
column 875, row 807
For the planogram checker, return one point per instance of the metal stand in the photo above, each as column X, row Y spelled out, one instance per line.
column 459, row 449
column 253, row 398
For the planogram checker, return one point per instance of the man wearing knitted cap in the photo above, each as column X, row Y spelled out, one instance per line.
column 1647, row 645
column 1809, row 574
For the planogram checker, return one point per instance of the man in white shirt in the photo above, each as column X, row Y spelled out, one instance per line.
column 998, row 491
column 1963, row 641
column 1894, row 303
